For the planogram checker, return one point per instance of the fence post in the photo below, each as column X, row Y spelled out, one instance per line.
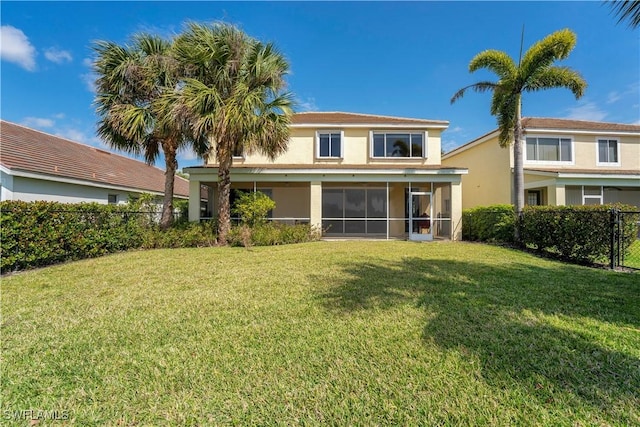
column 613, row 217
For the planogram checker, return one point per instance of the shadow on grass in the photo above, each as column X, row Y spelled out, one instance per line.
column 493, row 313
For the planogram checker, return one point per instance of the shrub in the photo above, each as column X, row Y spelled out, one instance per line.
column 181, row 235
column 580, row 233
column 253, row 207
column 36, row 234
column 494, row 223
column 270, row 234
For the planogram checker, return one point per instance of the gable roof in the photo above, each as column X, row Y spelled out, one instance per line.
column 29, row 150
column 545, row 123
column 337, row 118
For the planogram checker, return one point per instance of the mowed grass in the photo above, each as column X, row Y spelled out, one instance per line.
column 338, row 333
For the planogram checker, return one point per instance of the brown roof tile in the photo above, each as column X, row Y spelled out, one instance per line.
column 340, row 118
column 548, row 123
column 30, row 150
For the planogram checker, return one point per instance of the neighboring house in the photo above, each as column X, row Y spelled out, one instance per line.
column 38, row 166
column 354, row 175
column 566, row 162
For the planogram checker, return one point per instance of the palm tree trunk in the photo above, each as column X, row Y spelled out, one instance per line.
column 518, row 169
column 224, row 190
column 169, row 177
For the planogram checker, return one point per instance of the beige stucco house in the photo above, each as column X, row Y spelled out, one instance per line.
column 566, row 162
column 353, row 175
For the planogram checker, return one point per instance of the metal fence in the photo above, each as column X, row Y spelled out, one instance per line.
column 625, row 252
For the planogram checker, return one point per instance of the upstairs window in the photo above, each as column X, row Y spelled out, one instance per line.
column 397, row 144
column 112, row 199
column 329, row 144
column 608, row 152
column 549, row 149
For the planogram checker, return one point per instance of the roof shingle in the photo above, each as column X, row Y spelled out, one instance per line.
column 29, row 150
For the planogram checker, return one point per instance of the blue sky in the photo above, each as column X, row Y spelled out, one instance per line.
column 392, row 58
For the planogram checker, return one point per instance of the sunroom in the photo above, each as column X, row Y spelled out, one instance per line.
column 356, row 202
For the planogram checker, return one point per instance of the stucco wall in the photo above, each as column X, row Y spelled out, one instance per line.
column 585, row 149
column 302, row 149
column 489, row 179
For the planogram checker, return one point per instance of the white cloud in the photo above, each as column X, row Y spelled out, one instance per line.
column 455, row 129
column 307, row 105
column 37, row 122
column 89, row 78
column 15, row 47
column 58, row 56
column 587, row 111
column 613, row 97
column 186, row 155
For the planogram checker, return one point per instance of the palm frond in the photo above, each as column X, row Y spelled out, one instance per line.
column 554, row 47
column 496, row 61
column 477, row 87
column 626, row 10
column 555, row 77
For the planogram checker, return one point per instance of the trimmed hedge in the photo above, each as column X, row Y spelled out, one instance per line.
column 577, row 233
column 580, row 233
column 36, row 234
column 494, row 224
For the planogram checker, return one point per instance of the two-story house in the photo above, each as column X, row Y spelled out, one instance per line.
column 566, row 162
column 353, row 175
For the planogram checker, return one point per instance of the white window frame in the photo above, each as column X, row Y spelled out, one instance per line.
column 600, row 197
column 607, row 138
column 329, row 132
column 550, row 162
column 425, row 144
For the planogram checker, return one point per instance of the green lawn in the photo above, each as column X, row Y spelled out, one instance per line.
column 344, row 333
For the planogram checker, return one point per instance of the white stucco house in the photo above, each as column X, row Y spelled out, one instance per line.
column 38, row 166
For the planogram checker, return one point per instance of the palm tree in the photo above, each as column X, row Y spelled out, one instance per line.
column 535, row 71
column 234, row 95
column 627, row 10
column 134, row 84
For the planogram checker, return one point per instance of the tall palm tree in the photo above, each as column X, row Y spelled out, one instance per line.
column 234, row 95
column 133, row 85
column 626, row 10
column 535, row 71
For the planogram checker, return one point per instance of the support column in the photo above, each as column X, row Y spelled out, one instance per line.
column 559, row 195
column 456, row 210
column 315, row 208
column 194, row 200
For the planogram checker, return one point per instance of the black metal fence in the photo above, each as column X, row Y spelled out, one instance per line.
column 625, row 252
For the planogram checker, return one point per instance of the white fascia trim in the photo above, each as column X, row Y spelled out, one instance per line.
column 580, row 132
column 392, row 172
column 322, row 126
column 452, row 178
column 598, row 176
column 44, row 177
column 470, row 144
column 569, row 175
